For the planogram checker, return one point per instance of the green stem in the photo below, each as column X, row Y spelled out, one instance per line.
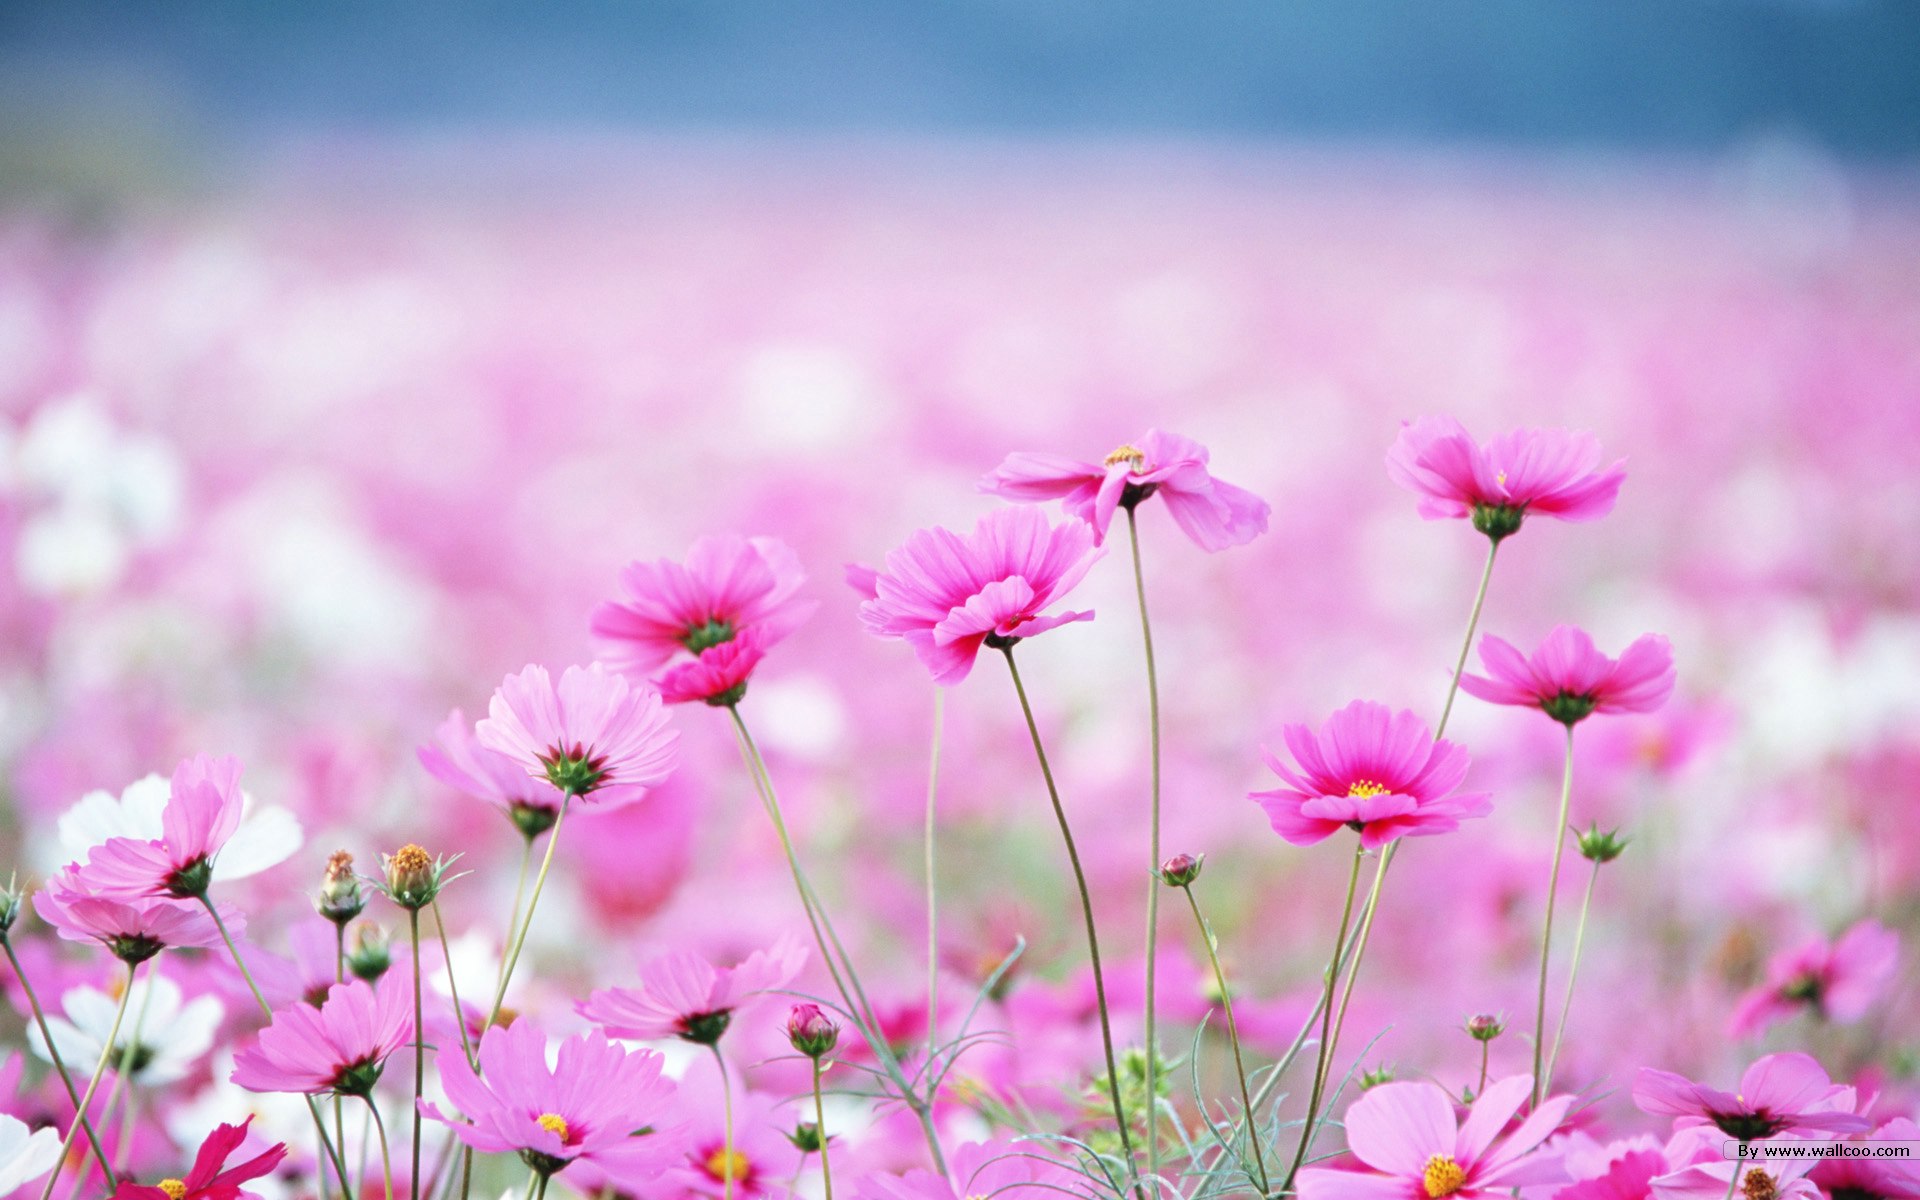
column 1466, row 646
column 726, row 1101
column 533, row 905
column 86, row 1099
column 1325, row 1058
column 1153, row 858
column 339, row 1106
column 1233, row 1036
column 453, row 985
column 1546, row 935
column 419, row 1050
column 1573, row 969
column 1086, row 912
column 1486, row 1048
column 820, row 1126
column 933, row 920
column 1367, row 912
column 513, row 914
column 386, row 1159
column 53, row 1053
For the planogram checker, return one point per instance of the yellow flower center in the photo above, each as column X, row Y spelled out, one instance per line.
column 1501, row 476
column 725, row 1164
column 1128, row 453
column 1443, row 1176
column 1758, row 1185
column 554, row 1124
column 1364, row 788
column 411, row 859
column 173, row 1188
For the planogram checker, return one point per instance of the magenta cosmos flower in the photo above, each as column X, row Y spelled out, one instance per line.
column 1408, row 1135
column 1779, row 1094
column 456, row 758
column 593, row 735
column 597, row 1104
column 727, row 588
column 134, row 929
column 204, row 807
column 339, row 1047
column 207, row 1181
column 1837, row 981
column 1003, row 1167
column 1867, row 1178
column 682, row 995
column 947, row 595
column 1569, row 679
column 1213, row 513
column 1372, row 770
column 1550, row 472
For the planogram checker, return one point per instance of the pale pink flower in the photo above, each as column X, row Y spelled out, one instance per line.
column 203, row 809
column 598, row 1104
column 1838, row 980
column 1569, row 679
column 456, row 758
column 682, row 995
column 1213, row 513
column 1779, row 1094
column 1002, row 1167
column 1549, row 472
column 340, row 1046
column 1372, row 770
column 594, row 735
column 947, row 595
column 1767, row 1179
column 135, row 928
column 1414, row 1146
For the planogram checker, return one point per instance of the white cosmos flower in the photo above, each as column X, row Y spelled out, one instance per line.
column 267, row 836
column 167, row 1036
column 25, row 1156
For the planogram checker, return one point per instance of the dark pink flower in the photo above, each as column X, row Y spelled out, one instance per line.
column 682, row 995
column 1551, row 472
column 1414, row 1146
column 597, row 1104
column 727, row 587
column 1213, row 513
column 1372, row 770
column 947, row 595
column 340, row 1046
column 1779, row 1094
column 1629, row 1176
column 456, row 758
column 592, row 735
column 1569, row 679
column 1869, row 1178
column 1838, row 980
column 136, row 928
column 206, row 1181
column 203, row 809
column 717, row 675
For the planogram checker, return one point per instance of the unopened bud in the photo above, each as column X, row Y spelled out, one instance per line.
column 1374, row 1078
column 1597, row 847
column 1485, row 1027
column 340, row 899
column 368, row 957
column 806, row 1138
column 1181, row 869
column 812, row 1032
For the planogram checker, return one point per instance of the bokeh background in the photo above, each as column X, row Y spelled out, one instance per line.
column 347, row 353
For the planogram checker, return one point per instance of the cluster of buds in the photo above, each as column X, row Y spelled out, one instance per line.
column 812, row 1032
column 340, row 899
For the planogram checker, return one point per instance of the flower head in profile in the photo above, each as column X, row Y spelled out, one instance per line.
column 1837, row 981
column 262, row 837
column 1781, row 1094
column 340, row 1047
column 597, row 1104
column 1407, row 1136
column 946, row 595
column 1771, row 1179
column 727, row 588
column 1526, row 472
column 718, row 675
column 207, row 1180
column 682, row 995
column 1570, row 680
column 133, row 929
column 594, row 735
column 1372, row 770
column 456, row 758
column 203, row 809
column 1214, row 514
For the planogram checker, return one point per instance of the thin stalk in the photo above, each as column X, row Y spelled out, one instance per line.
column 513, row 914
column 1573, row 969
column 1486, row 1048
column 1546, row 935
column 419, row 1050
column 933, row 910
column 540, row 1192
column 386, row 1158
column 86, row 1099
column 1466, row 645
column 1367, row 912
column 1153, row 858
column 453, row 986
column 53, row 1052
column 339, row 1106
column 1325, row 1058
column 533, row 904
column 726, row 1102
column 1233, row 1034
column 1739, row 1162
column 820, row 1125
column 1086, row 912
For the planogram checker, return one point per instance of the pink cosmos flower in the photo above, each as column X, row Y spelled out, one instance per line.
column 727, row 587
column 135, row 929
column 1002, row 1167
column 1629, row 1176
column 1372, row 770
column 1551, row 472
column 946, row 595
column 1771, row 1179
column 1408, row 1136
column 719, row 674
column 206, row 1181
column 203, row 810
column 594, row 735
column 1839, row 981
column 682, row 995
column 1213, row 513
column 456, row 758
column 591, row 1106
column 1779, row 1094
column 1570, row 679
column 1886, row 1178
column 339, row 1047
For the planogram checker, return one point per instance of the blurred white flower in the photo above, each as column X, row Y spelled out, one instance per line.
column 25, row 1156
column 267, row 836
column 168, row 1034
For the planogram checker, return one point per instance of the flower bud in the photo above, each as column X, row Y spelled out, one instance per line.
column 10, row 901
column 340, row 899
column 410, row 876
column 1486, row 1026
column 1181, row 869
column 812, row 1032
column 1597, row 847
column 806, row 1138
column 368, row 957
column 1374, row 1078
